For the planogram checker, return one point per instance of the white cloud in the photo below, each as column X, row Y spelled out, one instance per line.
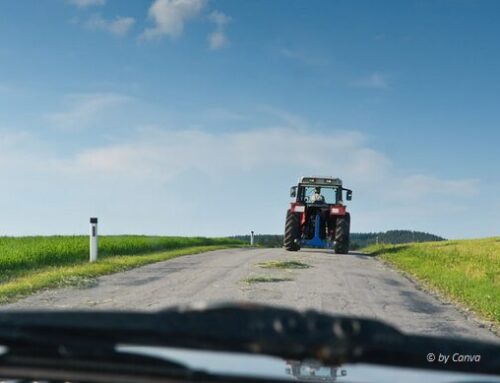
column 163, row 155
column 385, row 199
column 155, row 174
column 16, row 149
column 218, row 38
column 86, row 3
column 375, row 81
column 425, row 186
column 81, row 109
column 170, row 16
column 119, row 26
column 223, row 114
column 219, row 19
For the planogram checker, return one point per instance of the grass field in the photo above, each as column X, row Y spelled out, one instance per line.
column 465, row 271
column 28, row 264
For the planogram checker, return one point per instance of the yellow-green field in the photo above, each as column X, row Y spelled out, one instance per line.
column 29, row 264
column 465, row 271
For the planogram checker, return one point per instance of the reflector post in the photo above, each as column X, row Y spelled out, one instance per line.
column 93, row 239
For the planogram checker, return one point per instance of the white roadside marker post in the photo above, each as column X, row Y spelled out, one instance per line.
column 251, row 238
column 93, row 239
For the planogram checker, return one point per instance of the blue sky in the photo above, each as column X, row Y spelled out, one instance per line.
column 196, row 116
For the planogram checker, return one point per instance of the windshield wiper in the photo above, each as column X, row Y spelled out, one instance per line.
column 43, row 352
column 285, row 333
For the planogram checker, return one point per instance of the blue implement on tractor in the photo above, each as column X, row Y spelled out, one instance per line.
column 316, row 241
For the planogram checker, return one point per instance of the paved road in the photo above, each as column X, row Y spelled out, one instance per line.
column 353, row 284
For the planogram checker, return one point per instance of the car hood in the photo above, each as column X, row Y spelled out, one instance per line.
column 241, row 364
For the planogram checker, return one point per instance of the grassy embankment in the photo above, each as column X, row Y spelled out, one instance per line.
column 464, row 271
column 28, row 264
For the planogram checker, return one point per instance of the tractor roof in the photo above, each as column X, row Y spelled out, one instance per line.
column 320, row 181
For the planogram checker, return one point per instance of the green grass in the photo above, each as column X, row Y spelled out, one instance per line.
column 465, row 271
column 266, row 279
column 284, row 265
column 28, row 264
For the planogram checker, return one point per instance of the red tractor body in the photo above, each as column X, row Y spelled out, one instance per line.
column 318, row 217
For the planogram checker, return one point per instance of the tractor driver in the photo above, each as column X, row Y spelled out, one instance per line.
column 317, row 197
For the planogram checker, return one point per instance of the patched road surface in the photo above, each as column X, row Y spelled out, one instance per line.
column 353, row 284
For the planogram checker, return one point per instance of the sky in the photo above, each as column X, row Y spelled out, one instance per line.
column 194, row 117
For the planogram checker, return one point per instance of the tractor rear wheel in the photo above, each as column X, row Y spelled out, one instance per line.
column 292, row 232
column 342, row 230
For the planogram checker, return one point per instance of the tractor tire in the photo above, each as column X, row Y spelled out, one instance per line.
column 342, row 231
column 292, row 232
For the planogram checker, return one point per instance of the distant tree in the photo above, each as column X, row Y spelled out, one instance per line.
column 358, row 240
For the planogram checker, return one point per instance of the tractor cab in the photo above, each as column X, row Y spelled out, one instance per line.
column 317, row 217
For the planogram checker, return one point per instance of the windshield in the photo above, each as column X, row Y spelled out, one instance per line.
column 337, row 160
column 327, row 195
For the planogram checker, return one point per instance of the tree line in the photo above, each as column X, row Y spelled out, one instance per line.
column 358, row 240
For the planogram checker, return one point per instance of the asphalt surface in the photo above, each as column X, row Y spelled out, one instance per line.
column 352, row 284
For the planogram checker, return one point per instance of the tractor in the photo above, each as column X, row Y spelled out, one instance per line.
column 317, row 217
